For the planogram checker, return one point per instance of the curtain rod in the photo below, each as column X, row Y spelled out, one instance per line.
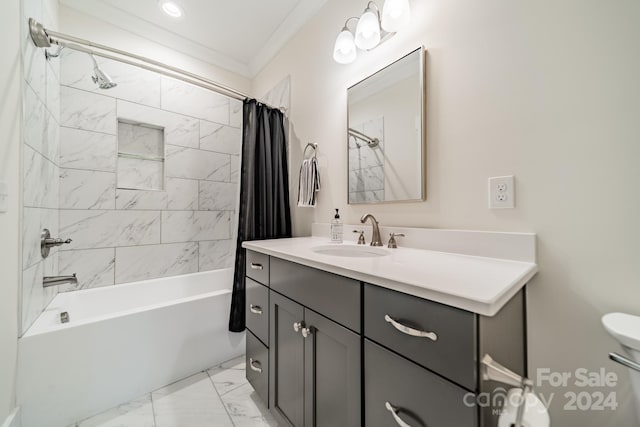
column 371, row 142
column 43, row 37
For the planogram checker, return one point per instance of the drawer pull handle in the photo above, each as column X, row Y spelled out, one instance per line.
column 394, row 412
column 255, row 309
column 256, row 266
column 252, row 365
column 306, row 332
column 297, row 326
column 410, row 331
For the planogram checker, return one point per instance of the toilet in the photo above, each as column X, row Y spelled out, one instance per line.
column 626, row 329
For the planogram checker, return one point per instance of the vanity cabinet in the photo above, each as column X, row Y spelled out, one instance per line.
column 346, row 353
column 315, row 362
column 436, row 336
column 422, row 359
column 257, row 366
column 286, row 367
column 257, row 310
column 397, row 390
column 257, row 321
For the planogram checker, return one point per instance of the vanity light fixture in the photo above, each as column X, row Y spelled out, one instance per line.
column 371, row 29
column 344, row 51
column 368, row 29
column 171, row 8
column 395, row 15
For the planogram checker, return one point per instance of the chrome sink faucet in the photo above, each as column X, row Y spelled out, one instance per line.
column 375, row 237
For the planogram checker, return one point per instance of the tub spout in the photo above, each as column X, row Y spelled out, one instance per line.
column 59, row 280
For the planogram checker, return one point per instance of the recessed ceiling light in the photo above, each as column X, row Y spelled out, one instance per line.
column 171, row 8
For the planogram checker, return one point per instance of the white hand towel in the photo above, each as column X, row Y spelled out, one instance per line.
column 309, row 183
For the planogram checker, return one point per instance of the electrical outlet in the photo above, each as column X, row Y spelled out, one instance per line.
column 502, row 192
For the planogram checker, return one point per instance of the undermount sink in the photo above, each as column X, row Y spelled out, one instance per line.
column 350, row 251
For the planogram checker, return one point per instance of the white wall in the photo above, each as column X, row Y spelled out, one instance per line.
column 10, row 124
column 544, row 90
column 84, row 26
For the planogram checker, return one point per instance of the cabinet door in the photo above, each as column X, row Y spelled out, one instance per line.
column 257, row 366
column 332, row 374
column 286, row 359
column 257, row 310
column 399, row 392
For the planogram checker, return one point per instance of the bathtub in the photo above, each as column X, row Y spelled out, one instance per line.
column 122, row 342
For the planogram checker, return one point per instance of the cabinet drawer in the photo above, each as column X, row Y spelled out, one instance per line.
column 257, row 310
column 336, row 297
column 420, row 397
column 258, row 267
column 257, row 370
column 452, row 354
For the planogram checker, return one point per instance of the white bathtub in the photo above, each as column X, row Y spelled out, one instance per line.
column 122, row 342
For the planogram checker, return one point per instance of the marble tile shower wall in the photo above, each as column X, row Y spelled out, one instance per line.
column 124, row 235
column 41, row 106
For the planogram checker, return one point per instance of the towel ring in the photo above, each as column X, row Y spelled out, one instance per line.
column 313, row 146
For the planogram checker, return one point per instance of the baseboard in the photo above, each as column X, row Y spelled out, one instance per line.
column 13, row 420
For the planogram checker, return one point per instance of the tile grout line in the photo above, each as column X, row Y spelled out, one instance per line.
column 154, row 107
column 153, row 410
column 220, row 397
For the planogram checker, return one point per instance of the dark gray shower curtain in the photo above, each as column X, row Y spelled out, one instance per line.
column 264, row 192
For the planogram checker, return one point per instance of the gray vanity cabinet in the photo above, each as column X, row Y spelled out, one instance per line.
column 257, row 321
column 451, row 352
column 342, row 353
column 422, row 359
column 313, row 354
column 332, row 374
column 397, row 390
column 286, row 368
column 315, row 362
column 257, row 310
column 257, row 363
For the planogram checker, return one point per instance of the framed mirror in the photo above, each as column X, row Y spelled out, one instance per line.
column 386, row 137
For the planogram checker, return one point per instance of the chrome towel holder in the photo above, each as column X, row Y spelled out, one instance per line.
column 313, row 146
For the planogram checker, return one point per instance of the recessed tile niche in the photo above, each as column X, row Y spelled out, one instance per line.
column 140, row 156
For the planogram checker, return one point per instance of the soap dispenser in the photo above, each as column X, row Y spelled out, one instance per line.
column 336, row 228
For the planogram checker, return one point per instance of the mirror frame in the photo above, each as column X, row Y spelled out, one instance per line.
column 423, row 120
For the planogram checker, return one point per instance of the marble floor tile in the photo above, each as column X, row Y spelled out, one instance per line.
column 226, row 380
column 137, row 413
column 192, row 402
column 246, row 409
column 237, row 363
column 219, row 397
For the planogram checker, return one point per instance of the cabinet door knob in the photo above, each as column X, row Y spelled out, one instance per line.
column 255, row 309
column 410, row 331
column 252, row 365
column 394, row 413
column 306, row 332
column 256, row 266
column 297, row 326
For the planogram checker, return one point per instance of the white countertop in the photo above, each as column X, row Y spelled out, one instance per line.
column 478, row 284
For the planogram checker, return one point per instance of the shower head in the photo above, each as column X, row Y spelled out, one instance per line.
column 101, row 78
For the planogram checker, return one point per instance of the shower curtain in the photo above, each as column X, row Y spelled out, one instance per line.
column 264, row 192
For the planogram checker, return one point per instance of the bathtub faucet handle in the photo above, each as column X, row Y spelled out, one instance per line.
column 47, row 242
